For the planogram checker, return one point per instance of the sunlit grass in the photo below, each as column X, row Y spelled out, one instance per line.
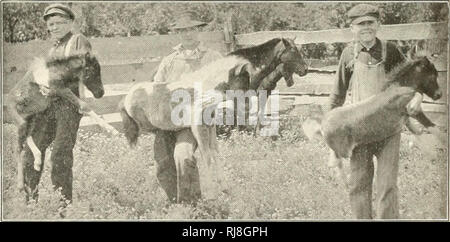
column 286, row 179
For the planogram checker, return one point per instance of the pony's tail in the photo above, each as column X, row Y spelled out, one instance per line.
column 312, row 127
column 130, row 126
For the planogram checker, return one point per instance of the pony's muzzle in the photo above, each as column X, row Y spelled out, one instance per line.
column 289, row 81
column 437, row 95
column 302, row 71
column 99, row 93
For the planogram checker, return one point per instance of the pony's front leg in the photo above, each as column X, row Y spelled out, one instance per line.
column 36, row 153
column 261, row 111
column 22, row 136
column 20, row 122
column 337, row 165
column 188, row 180
column 218, row 163
column 202, row 136
column 20, row 171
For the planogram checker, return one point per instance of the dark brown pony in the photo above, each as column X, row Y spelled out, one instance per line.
column 262, row 60
column 46, row 80
column 269, row 84
column 290, row 61
column 377, row 117
column 266, row 87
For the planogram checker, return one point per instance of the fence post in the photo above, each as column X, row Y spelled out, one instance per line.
column 229, row 32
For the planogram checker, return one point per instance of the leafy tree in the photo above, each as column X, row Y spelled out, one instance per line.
column 19, row 22
column 23, row 22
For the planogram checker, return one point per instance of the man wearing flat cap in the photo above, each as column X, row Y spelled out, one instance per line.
column 174, row 150
column 362, row 72
column 60, row 122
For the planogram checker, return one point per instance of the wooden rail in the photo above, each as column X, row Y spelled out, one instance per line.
column 128, row 60
column 415, row 31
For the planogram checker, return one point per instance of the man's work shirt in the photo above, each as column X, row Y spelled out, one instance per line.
column 70, row 44
column 370, row 56
column 183, row 61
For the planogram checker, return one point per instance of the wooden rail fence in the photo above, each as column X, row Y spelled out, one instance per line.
column 128, row 60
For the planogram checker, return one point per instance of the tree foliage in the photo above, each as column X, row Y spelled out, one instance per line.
column 23, row 21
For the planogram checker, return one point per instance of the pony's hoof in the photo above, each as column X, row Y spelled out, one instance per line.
column 37, row 165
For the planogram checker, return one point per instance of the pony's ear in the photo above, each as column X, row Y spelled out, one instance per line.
column 286, row 42
column 422, row 62
column 411, row 54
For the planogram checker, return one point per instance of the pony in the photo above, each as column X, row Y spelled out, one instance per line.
column 267, row 85
column 148, row 106
column 377, row 117
column 45, row 80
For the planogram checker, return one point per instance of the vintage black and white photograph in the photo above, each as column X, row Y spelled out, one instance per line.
column 224, row 111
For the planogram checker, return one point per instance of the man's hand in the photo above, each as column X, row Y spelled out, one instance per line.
column 414, row 106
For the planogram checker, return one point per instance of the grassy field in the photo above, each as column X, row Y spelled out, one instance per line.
column 286, row 179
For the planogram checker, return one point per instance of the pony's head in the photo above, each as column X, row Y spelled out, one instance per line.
column 267, row 56
column 417, row 72
column 92, row 77
column 293, row 61
column 427, row 74
column 78, row 67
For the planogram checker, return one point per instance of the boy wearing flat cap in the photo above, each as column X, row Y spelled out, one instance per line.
column 362, row 72
column 174, row 150
column 60, row 122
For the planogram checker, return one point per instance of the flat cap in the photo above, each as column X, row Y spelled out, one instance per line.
column 363, row 12
column 186, row 19
column 58, row 9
